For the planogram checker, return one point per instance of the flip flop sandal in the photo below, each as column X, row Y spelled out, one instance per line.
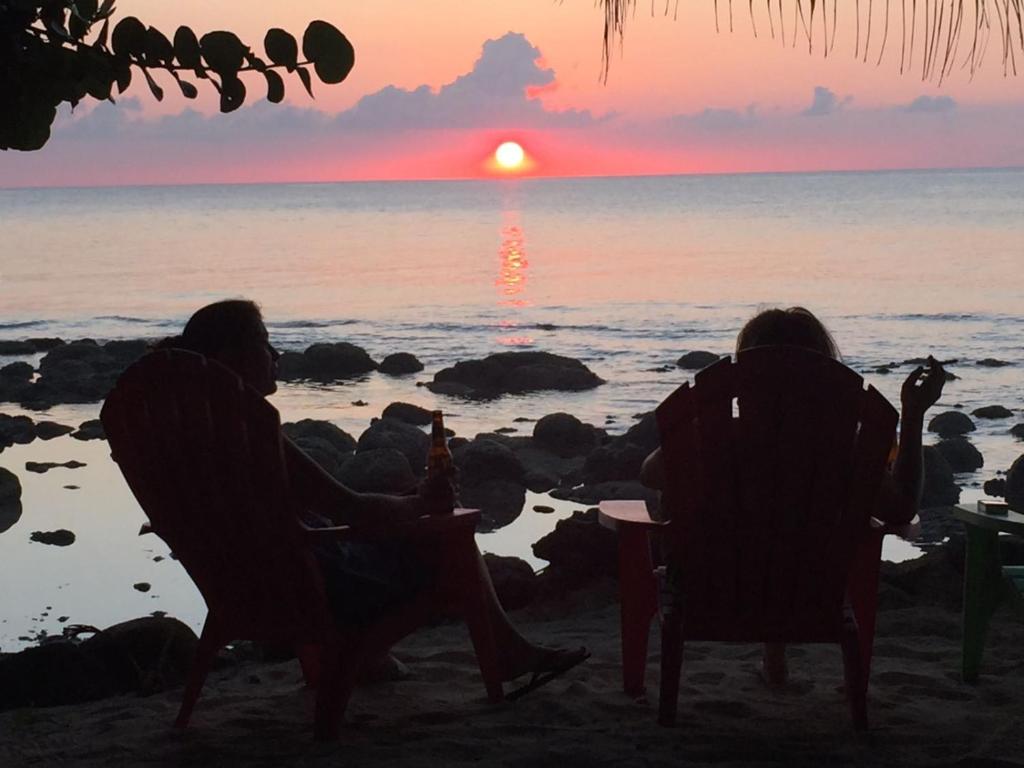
column 543, row 677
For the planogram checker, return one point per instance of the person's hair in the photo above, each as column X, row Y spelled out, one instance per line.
column 796, row 326
column 216, row 327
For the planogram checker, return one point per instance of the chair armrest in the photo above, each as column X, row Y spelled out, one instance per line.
column 907, row 531
column 428, row 525
column 616, row 514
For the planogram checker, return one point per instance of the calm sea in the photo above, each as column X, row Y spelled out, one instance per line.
column 625, row 274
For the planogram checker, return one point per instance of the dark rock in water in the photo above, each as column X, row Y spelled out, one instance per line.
column 614, row 489
column 1015, row 485
column 400, row 363
column 992, row 412
column 620, row 460
column 951, row 424
column 141, row 656
column 499, row 501
column 543, row 509
column 409, row 413
column 579, row 549
column 1017, row 430
column 16, row 348
column 991, row 362
column 81, row 372
column 127, row 351
column 483, row 461
column 45, row 466
column 48, row 430
column 326, row 362
column 995, row 487
column 378, row 470
column 960, row 454
column 10, row 486
column 514, row 581
column 936, row 578
column 10, row 513
column 322, row 452
column 17, row 372
column 514, row 372
column 565, row 435
column 339, row 439
column 644, row 433
column 694, row 361
column 45, row 344
column 59, row 538
column 939, row 488
column 90, row 430
column 506, row 430
column 16, row 429
column 522, row 419
column 410, row 441
column 142, row 586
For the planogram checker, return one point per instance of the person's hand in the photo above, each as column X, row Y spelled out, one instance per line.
column 437, row 495
column 922, row 388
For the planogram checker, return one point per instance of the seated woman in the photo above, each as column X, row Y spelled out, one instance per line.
column 363, row 580
column 901, row 485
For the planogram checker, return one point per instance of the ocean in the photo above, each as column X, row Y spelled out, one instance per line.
column 625, row 274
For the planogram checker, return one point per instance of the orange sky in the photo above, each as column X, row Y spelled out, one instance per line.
column 680, row 98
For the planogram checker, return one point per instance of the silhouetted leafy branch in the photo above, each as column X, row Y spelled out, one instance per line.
column 67, row 50
column 935, row 29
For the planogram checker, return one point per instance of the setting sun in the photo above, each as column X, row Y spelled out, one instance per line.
column 509, row 156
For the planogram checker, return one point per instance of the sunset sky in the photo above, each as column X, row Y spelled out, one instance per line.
column 438, row 86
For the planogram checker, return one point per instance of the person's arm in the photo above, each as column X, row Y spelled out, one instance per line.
column 901, row 490
column 319, row 492
column 652, row 472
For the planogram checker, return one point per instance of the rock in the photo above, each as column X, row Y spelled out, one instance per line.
column 10, row 513
column 992, row 412
column 499, row 501
column 51, row 675
column 45, row 344
column 90, row 430
column 951, row 424
column 45, row 466
column 960, row 454
column 81, row 372
column 565, row 435
column 991, row 362
column 59, row 538
column 514, row 581
column 378, row 470
column 17, row 372
column 400, row 363
column 579, row 549
column 939, row 488
column 16, row 348
column 620, row 460
column 339, row 439
column 514, row 372
column 1017, row 431
column 323, row 453
column 47, row 430
column 644, row 433
column 326, row 362
column 16, row 429
column 10, row 487
column 936, row 578
column 409, row 413
column 127, row 351
column 410, row 441
column 694, row 361
column 543, row 509
column 1015, row 485
column 142, row 586
column 506, row 430
column 483, row 461
column 995, row 487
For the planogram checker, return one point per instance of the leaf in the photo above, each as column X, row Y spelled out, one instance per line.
column 105, row 10
column 223, row 52
column 188, row 90
column 123, row 76
column 275, row 87
column 281, row 48
column 129, row 37
column 158, row 92
column 232, row 93
column 158, row 47
column 84, row 9
column 186, row 48
column 101, row 38
column 330, row 51
column 306, row 80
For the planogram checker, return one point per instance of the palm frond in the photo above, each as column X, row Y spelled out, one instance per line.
column 932, row 29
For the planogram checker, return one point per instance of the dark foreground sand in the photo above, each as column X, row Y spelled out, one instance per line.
column 259, row 714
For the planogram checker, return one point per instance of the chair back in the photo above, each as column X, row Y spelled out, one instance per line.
column 203, row 454
column 773, row 463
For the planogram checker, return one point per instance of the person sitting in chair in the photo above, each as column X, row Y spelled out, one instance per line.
column 363, row 580
column 900, row 493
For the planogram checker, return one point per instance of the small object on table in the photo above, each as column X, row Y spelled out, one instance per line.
column 999, row 508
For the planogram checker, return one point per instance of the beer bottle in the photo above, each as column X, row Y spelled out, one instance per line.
column 439, row 458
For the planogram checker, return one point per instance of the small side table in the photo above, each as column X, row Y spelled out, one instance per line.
column 987, row 583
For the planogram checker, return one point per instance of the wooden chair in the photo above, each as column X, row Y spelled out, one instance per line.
column 203, row 455
column 773, row 465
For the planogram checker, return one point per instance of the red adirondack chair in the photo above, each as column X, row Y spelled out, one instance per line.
column 203, row 455
column 773, row 465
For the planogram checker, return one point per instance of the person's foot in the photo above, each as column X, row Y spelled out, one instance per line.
column 538, row 659
column 548, row 664
column 384, row 669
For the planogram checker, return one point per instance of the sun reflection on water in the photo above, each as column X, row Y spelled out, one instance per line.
column 512, row 278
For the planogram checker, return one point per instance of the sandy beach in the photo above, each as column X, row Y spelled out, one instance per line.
column 256, row 713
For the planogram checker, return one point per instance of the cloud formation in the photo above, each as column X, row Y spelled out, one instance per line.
column 931, row 104
column 825, row 102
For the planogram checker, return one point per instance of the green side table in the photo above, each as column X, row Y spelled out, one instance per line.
column 987, row 582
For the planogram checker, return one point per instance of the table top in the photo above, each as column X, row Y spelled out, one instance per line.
column 1011, row 522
